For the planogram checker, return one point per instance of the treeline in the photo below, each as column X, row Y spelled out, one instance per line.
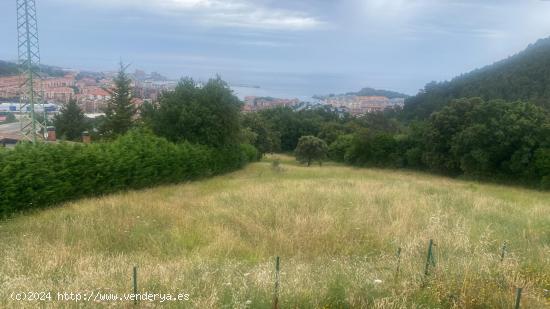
column 525, row 77
column 498, row 140
column 192, row 133
column 489, row 140
column 279, row 129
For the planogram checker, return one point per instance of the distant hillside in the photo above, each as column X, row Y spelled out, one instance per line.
column 368, row 92
column 524, row 76
column 7, row 68
column 377, row 92
column 10, row 68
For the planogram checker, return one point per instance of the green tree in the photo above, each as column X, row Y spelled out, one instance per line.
column 331, row 131
column 208, row 115
column 442, row 128
column 374, row 149
column 311, row 148
column 501, row 138
column 147, row 113
column 266, row 139
column 292, row 125
column 70, row 122
column 339, row 148
column 495, row 139
column 120, row 111
column 542, row 166
column 287, row 124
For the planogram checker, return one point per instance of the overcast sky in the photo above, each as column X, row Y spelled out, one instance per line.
column 315, row 46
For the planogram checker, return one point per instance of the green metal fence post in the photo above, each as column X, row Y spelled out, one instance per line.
column 135, row 285
column 430, row 258
column 503, row 252
column 277, row 278
column 518, row 297
column 398, row 261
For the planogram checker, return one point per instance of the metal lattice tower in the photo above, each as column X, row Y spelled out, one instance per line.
column 31, row 94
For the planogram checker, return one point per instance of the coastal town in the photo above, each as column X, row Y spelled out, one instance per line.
column 353, row 105
column 92, row 91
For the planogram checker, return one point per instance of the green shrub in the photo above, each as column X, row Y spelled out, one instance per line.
column 47, row 174
column 252, row 154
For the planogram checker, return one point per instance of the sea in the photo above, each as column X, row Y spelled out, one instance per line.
column 302, row 87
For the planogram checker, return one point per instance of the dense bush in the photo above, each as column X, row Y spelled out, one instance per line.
column 46, row 174
column 251, row 153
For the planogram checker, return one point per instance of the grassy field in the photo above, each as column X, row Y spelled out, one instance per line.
column 337, row 230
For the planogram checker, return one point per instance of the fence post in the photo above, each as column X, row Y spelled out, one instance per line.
column 503, row 252
column 398, row 261
column 135, row 285
column 518, row 297
column 430, row 258
column 277, row 270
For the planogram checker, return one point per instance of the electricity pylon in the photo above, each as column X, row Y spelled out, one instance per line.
column 29, row 65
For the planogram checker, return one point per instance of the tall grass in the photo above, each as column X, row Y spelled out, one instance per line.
column 336, row 229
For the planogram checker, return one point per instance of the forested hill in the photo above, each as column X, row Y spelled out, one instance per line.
column 368, row 92
column 7, row 68
column 376, row 92
column 524, row 76
column 10, row 68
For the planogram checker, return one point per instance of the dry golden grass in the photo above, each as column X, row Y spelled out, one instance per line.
column 336, row 229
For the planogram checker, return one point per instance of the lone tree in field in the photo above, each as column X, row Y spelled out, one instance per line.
column 120, row 112
column 70, row 122
column 311, row 148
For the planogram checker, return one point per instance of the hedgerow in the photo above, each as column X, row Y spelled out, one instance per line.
column 36, row 176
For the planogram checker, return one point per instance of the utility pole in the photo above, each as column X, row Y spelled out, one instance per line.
column 29, row 66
